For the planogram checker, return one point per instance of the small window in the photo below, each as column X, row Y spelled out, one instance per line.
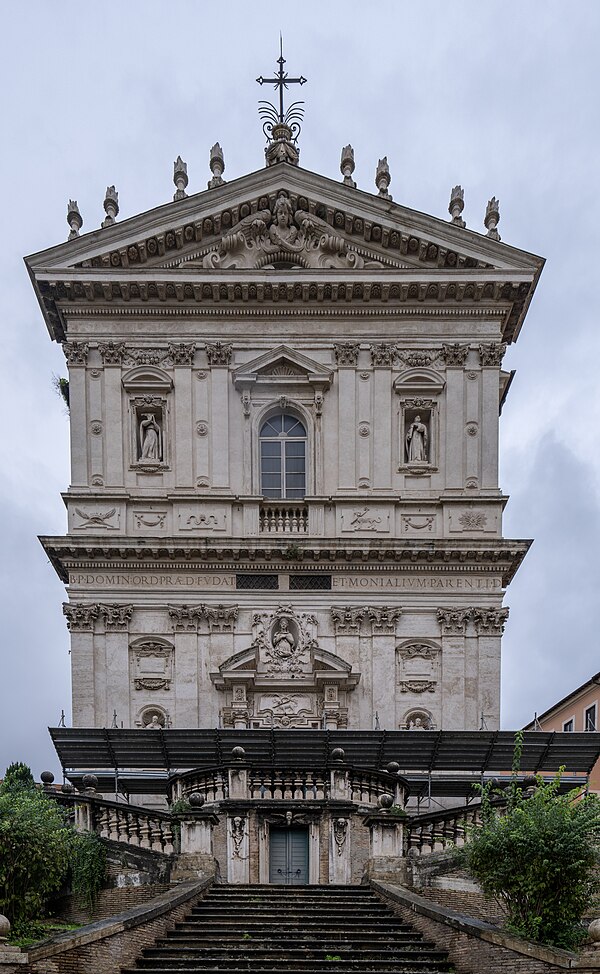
column 569, row 726
column 283, row 457
column 257, row 582
column 589, row 720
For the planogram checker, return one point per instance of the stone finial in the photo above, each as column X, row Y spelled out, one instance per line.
column 111, row 206
column 456, row 206
column 217, row 166
column 74, row 219
column 492, row 218
column 347, row 166
column 180, row 178
column 4, row 929
column 383, row 178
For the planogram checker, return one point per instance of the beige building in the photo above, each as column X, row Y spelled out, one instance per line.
column 575, row 713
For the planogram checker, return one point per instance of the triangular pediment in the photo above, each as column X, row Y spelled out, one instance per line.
column 378, row 230
column 282, row 364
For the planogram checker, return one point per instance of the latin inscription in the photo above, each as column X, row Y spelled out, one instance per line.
column 414, row 583
column 166, row 580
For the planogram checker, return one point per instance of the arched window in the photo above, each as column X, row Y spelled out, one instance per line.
column 283, row 457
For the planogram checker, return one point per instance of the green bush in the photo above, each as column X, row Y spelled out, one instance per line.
column 17, row 776
column 88, row 863
column 35, row 852
column 538, row 856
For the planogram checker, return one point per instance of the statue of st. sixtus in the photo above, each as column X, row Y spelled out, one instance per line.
column 149, row 438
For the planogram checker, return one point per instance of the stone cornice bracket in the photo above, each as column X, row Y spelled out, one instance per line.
column 347, row 166
column 220, row 617
column 116, row 616
column 492, row 354
column 346, row 354
column 185, row 618
column 111, row 207
column 489, row 622
column 455, row 354
column 76, row 353
column 347, row 619
column 80, row 618
column 453, row 621
column 74, row 219
column 219, row 353
column 492, row 218
column 182, row 353
column 180, row 178
column 112, row 353
column 383, row 178
column 383, row 617
column 456, row 206
column 217, row 166
column 382, row 354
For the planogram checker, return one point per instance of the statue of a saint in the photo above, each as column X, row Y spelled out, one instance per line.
column 283, row 641
column 417, row 441
column 149, row 438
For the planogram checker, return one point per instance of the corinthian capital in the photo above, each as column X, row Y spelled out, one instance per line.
column 76, row 353
column 489, row 622
column 453, row 621
column 80, row 618
column 116, row 616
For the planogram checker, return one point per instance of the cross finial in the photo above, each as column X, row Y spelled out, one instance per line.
column 281, row 81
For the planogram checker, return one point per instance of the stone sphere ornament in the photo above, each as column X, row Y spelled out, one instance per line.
column 594, row 933
column 386, row 801
column 67, row 788
column 89, row 781
column 47, row 778
column 4, row 927
column 393, row 767
column 338, row 754
column 238, row 753
column 196, row 800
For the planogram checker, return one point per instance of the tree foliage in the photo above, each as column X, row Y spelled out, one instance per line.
column 35, row 850
column 38, row 848
column 538, row 855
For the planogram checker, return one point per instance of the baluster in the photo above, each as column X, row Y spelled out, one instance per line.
column 113, row 826
column 122, row 825
column 168, row 838
column 144, row 832
column 155, row 837
column 134, row 829
column 437, row 835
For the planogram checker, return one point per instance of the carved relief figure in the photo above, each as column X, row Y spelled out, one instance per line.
column 284, row 643
column 417, row 442
column 150, row 446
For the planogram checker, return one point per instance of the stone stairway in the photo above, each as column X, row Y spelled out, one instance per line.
column 277, row 929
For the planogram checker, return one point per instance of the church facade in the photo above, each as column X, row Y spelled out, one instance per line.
column 284, row 507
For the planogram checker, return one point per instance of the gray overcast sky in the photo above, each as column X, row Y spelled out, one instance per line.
column 500, row 96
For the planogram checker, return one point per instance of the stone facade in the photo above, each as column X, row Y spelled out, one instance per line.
column 371, row 596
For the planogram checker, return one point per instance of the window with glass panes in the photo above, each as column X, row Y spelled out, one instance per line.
column 283, row 457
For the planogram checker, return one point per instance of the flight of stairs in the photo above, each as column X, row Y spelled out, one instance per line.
column 276, row 929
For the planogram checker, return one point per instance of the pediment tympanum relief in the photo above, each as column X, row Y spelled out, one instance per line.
column 284, row 678
column 282, row 365
column 283, row 237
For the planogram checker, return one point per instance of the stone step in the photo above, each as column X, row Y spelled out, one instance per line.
column 247, row 951
column 289, row 913
column 375, row 935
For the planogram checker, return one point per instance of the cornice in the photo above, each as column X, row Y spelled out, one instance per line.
column 241, row 555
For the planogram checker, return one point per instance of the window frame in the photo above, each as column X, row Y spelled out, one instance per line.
column 282, row 440
column 593, row 707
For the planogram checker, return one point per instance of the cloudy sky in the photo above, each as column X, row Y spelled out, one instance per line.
column 501, row 96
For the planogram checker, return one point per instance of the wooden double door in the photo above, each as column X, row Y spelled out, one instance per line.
column 288, row 856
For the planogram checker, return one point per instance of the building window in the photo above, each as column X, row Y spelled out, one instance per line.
column 569, row 726
column 589, row 720
column 283, row 457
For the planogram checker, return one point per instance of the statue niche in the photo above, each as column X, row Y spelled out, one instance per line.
column 417, row 436
column 283, row 237
column 148, row 432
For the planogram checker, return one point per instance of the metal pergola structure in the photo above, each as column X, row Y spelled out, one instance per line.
column 445, row 762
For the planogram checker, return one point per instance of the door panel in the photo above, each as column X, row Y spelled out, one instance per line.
column 288, row 856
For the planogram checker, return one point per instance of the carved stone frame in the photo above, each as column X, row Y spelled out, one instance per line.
column 418, row 392
column 148, row 390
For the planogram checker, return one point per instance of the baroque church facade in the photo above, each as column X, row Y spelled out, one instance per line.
column 284, row 512
column 284, row 507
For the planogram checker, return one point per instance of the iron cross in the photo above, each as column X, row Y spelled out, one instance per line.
column 281, row 80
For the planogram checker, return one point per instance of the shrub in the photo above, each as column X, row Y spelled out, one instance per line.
column 35, row 849
column 538, row 856
column 88, row 864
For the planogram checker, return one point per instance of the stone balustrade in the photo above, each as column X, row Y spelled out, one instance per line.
column 144, row 828
column 283, row 518
column 437, row 831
